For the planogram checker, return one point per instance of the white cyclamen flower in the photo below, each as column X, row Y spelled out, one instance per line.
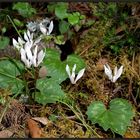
column 31, row 57
column 29, row 50
column 117, row 72
column 32, row 26
column 72, row 77
column 46, row 30
column 20, row 43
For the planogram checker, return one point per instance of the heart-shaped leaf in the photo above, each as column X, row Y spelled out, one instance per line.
column 8, row 73
column 117, row 117
column 61, row 10
column 63, row 26
column 50, row 91
column 74, row 18
column 56, row 67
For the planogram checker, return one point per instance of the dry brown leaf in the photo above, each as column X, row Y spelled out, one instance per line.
column 42, row 120
column 100, row 63
column 34, row 130
column 5, row 134
column 131, row 135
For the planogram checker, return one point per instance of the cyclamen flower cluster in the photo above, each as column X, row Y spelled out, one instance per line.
column 45, row 26
column 117, row 72
column 72, row 76
column 28, row 49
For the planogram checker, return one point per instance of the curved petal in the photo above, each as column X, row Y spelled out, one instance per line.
column 29, row 53
column 42, row 28
column 68, row 70
column 34, row 59
column 26, row 36
column 40, row 57
column 115, row 70
column 20, row 41
column 15, row 43
column 50, row 29
column 108, row 71
column 80, row 74
column 23, row 58
column 118, row 74
column 73, row 71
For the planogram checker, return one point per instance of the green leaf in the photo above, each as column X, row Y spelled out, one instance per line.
column 18, row 22
column 3, row 30
column 61, row 10
column 74, row 18
column 24, row 9
column 50, row 91
column 59, row 39
column 63, row 26
column 117, row 117
column 56, row 67
column 51, row 7
column 4, row 42
column 8, row 73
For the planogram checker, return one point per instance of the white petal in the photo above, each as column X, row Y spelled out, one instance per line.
column 35, row 56
column 40, row 58
column 50, row 29
column 26, row 36
column 80, row 74
column 23, row 57
column 31, row 37
column 42, row 28
column 21, row 42
column 68, row 70
column 118, row 74
column 29, row 53
column 115, row 70
column 73, row 71
column 15, row 43
column 108, row 71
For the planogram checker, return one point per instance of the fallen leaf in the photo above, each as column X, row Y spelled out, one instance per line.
column 131, row 135
column 5, row 134
column 34, row 130
column 42, row 120
column 100, row 63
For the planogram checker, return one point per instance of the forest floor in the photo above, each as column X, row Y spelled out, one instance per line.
column 108, row 39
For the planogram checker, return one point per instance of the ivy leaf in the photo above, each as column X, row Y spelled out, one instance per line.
column 117, row 117
column 8, row 76
column 59, row 39
column 63, row 26
column 50, row 91
column 24, row 9
column 18, row 22
column 61, row 10
column 56, row 67
column 4, row 42
column 73, row 18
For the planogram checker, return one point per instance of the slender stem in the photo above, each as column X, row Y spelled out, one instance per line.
column 14, row 25
column 83, row 121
